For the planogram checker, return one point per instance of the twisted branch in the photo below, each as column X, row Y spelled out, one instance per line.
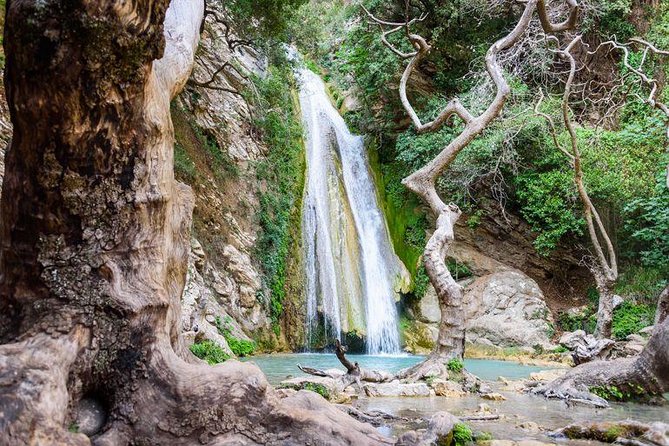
column 423, row 181
column 645, row 79
column 606, row 271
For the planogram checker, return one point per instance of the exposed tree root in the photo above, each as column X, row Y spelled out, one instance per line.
column 645, row 377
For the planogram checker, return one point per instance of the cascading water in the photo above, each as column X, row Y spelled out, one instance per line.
column 350, row 264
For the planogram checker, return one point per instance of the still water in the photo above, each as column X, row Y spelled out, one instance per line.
column 278, row 367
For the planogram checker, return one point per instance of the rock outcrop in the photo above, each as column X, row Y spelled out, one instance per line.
column 504, row 309
column 224, row 276
column 507, row 309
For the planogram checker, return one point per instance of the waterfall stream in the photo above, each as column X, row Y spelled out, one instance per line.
column 351, row 268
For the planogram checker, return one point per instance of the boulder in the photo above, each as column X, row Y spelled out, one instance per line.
column 326, row 387
column 396, row 388
column 507, row 308
column 446, row 388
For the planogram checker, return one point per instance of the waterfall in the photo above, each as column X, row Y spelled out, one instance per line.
column 351, row 267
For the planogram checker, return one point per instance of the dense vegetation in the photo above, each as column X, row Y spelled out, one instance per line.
column 283, row 172
column 515, row 162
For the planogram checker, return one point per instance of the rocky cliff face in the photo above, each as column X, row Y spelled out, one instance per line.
column 216, row 153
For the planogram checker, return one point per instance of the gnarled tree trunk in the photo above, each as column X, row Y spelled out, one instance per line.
column 644, row 376
column 95, row 238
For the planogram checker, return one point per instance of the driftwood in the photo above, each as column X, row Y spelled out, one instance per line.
column 586, row 347
column 354, row 373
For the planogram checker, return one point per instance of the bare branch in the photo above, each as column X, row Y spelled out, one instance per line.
column 569, row 23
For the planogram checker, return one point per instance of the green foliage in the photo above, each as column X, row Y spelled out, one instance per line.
column 549, row 205
column 421, row 282
column 609, row 393
column 631, row 392
column 283, row 174
column 240, row 347
column 209, row 351
column 455, row 365
column 629, row 318
column 266, row 20
column 73, row 427
column 458, row 270
column 642, row 284
column 319, row 389
column 474, row 219
column 462, row 434
column 647, row 218
column 184, row 167
column 586, row 321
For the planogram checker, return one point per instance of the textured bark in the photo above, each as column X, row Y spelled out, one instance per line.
column 95, row 239
column 450, row 343
column 644, row 376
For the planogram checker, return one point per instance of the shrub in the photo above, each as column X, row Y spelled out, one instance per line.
column 629, row 318
column 319, row 389
column 209, row 351
column 455, row 365
column 585, row 321
column 240, row 347
column 462, row 434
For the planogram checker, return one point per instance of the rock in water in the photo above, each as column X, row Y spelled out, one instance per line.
column 585, row 347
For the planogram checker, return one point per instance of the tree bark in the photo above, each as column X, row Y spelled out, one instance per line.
column 95, row 238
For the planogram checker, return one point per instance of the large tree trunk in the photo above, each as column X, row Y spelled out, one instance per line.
column 95, row 238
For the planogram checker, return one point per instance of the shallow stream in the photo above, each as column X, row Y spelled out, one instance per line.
column 522, row 416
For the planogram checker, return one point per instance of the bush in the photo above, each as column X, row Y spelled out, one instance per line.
column 319, row 389
column 455, row 365
column 629, row 318
column 585, row 321
column 462, row 434
column 240, row 347
column 209, row 351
